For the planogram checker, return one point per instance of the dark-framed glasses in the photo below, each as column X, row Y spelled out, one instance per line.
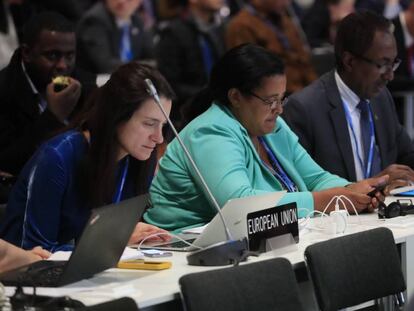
column 272, row 102
column 382, row 68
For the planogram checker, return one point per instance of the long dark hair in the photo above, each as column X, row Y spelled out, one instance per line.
column 244, row 68
column 110, row 106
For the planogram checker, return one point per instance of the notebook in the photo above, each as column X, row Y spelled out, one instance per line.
column 235, row 214
column 99, row 248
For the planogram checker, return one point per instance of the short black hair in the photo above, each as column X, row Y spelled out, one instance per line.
column 356, row 33
column 50, row 21
column 243, row 67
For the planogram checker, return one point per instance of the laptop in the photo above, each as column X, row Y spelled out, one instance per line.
column 99, row 248
column 235, row 213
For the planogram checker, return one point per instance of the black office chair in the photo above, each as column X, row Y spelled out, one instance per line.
column 266, row 285
column 356, row 268
column 121, row 304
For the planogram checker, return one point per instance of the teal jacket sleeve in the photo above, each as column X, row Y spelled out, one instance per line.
column 300, row 166
column 233, row 169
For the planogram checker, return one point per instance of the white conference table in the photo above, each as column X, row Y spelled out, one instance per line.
column 152, row 289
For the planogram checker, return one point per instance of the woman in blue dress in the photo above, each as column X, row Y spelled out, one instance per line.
column 107, row 155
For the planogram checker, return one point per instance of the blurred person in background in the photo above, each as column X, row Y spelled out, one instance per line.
column 110, row 34
column 321, row 21
column 189, row 46
column 268, row 24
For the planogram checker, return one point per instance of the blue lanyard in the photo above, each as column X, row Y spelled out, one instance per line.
column 367, row 168
column 207, row 53
column 118, row 194
column 280, row 173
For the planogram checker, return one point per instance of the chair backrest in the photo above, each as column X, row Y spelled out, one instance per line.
column 356, row 268
column 266, row 285
column 121, row 304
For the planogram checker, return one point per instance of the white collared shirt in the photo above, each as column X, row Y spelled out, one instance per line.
column 351, row 101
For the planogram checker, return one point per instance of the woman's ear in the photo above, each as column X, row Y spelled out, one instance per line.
column 234, row 97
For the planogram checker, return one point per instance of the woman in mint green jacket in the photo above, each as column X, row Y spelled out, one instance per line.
column 242, row 148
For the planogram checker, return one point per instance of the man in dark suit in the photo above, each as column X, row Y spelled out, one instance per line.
column 30, row 108
column 346, row 119
column 110, row 34
column 188, row 47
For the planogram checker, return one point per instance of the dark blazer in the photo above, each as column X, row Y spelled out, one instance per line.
column 180, row 58
column 99, row 38
column 402, row 79
column 316, row 23
column 317, row 116
column 22, row 128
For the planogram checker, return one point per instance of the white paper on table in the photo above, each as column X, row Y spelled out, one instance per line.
column 129, row 253
column 60, row 255
column 196, row 230
column 401, row 222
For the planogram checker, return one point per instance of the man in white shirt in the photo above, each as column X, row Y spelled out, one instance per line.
column 346, row 119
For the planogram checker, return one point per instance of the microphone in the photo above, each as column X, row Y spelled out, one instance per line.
column 219, row 254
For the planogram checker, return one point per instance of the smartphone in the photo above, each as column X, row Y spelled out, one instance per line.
column 378, row 188
column 144, row 265
column 155, row 253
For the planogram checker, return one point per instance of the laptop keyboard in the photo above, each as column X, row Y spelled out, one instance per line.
column 180, row 244
column 43, row 275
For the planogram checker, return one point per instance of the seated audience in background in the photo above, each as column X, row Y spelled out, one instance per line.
column 30, row 108
column 8, row 34
column 110, row 34
column 321, row 20
column 268, row 24
column 388, row 8
column 13, row 257
column 404, row 37
column 189, row 46
column 346, row 120
column 23, row 10
column 148, row 13
column 108, row 155
column 243, row 148
column 169, row 9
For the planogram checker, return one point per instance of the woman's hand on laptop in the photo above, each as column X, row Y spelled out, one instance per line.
column 40, row 252
column 142, row 230
column 12, row 257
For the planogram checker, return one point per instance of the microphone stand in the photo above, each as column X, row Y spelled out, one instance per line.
column 219, row 254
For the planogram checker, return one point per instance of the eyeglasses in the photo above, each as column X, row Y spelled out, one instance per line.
column 382, row 68
column 272, row 102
